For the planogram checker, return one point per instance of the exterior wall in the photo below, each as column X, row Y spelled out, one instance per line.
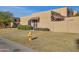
column 70, row 24
column 62, row 11
column 73, row 24
column 59, row 26
column 45, row 19
column 24, row 20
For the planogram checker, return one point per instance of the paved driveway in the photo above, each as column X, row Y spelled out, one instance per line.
column 10, row 46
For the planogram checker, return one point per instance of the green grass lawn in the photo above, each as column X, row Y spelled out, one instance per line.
column 45, row 40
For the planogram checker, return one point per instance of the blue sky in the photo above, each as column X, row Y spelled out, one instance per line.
column 19, row 11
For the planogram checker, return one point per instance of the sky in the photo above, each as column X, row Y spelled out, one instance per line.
column 19, row 11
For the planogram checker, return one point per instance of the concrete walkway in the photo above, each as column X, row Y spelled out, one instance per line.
column 10, row 46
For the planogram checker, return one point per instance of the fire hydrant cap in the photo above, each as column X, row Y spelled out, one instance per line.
column 30, row 34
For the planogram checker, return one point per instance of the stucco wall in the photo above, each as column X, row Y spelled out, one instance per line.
column 59, row 26
column 70, row 24
column 24, row 20
column 45, row 18
column 73, row 24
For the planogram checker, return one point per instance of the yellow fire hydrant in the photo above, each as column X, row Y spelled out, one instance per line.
column 30, row 36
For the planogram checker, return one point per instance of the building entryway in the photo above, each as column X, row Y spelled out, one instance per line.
column 34, row 22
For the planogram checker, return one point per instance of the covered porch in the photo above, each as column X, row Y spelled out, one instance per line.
column 34, row 22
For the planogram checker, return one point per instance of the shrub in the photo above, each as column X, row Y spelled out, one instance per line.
column 42, row 29
column 24, row 27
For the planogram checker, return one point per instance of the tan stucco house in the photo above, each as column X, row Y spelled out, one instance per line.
column 57, row 20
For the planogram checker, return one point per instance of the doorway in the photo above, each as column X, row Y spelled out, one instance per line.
column 34, row 22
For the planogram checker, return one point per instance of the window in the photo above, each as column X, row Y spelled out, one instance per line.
column 56, row 16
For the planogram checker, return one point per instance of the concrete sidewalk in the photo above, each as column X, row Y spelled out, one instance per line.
column 10, row 46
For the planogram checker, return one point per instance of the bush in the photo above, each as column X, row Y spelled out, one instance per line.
column 42, row 29
column 24, row 27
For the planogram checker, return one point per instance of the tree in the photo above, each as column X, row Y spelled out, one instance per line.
column 5, row 19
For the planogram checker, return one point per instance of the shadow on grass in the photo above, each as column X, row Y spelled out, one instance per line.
column 29, row 42
column 77, row 43
column 34, row 38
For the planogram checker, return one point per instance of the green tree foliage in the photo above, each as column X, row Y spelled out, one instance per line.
column 5, row 18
